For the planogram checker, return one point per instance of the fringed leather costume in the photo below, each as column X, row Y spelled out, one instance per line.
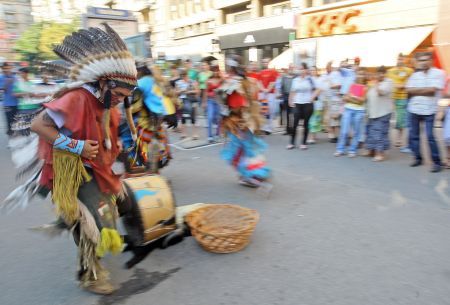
column 83, row 190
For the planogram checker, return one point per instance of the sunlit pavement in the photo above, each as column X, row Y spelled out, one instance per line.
column 334, row 231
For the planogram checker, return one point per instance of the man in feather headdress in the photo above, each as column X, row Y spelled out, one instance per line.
column 79, row 144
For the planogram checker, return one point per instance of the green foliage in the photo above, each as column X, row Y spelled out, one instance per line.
column 37, row 42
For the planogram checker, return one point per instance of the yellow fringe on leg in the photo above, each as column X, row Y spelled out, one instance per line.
column 68, row 175
column 110, row 241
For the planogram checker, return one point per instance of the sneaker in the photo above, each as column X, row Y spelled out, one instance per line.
column 436, row 168
column 211, row 140
column 311, row 142
column 405, row 150
column 248, row 183
column 338, row 154
column 351, row 155
column 303, row 147
column 416, row 163
column 333, row 140
column 378, row 159
column 290, row 146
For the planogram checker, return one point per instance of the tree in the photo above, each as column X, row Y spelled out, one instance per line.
column 37, row 42
column 28, row 44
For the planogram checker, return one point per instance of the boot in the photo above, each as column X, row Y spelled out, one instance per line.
column 100, row 286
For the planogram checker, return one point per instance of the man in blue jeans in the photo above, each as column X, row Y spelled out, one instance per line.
column 424, row 87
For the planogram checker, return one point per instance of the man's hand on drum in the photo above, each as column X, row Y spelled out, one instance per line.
column 90, row 149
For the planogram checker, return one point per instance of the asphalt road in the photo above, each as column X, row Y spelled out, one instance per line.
column 334, row 231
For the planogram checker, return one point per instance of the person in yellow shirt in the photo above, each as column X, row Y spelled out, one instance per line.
column 399, row 76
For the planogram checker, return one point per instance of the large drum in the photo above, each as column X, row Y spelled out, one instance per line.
column 149, row 209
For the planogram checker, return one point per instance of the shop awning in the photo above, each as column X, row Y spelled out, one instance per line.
column 283, row 60
column 374, row 48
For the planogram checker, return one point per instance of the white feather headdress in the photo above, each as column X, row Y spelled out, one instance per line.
column 95, row 54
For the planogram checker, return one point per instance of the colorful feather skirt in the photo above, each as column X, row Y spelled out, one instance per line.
column 245, row 154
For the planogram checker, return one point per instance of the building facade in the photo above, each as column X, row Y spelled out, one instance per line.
column 183, row 28
column 61, row 10
column 254, row 29
column 375, row 31
column 15, row 17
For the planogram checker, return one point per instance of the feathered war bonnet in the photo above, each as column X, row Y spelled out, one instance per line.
column 95, row 54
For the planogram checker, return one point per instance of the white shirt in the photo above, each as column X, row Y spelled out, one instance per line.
column 330, row 80
column 303, row 89
column 425, row 105
column 379, row 105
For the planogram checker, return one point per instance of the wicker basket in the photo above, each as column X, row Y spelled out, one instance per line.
column 222, row 228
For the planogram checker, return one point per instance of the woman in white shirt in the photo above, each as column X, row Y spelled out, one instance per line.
column 379, row 111
column 303, row 93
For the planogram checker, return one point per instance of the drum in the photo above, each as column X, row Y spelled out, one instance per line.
column 149, row 213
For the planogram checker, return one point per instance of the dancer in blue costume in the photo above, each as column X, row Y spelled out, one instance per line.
column 152, row 104
column 240, row 108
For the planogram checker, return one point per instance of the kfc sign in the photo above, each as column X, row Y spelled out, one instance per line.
column 332, row 23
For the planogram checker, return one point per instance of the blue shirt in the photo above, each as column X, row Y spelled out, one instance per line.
column 7, row 85
column 348, row 77
column 152, row 95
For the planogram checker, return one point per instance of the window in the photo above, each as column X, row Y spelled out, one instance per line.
column 331, row 1
column 182, row 8
column 277, row 9
column 242, row 16
column 10, row 18
column 189, row 7
column 198, row 6
column 173, row 9
column 196, row 29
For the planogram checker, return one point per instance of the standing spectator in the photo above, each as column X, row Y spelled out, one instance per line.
column 286, row 83
column 445, row 112
column 174, row 75
column 213, row 108
column 7, row 82
column 315, row 123
column 303, row 93
column 353, row 116
column 267, row 78
column 203, row 77
column 424, row 87
column 24, row 90
column 399, row 75
column 253, row 71
column 348, row 76
column 191, row 71
column 332, row 86
column 30, row 100
column 447, row 132
column 379, row 110
column 187, row 90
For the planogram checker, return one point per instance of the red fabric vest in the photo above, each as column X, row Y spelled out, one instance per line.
column 82, row 114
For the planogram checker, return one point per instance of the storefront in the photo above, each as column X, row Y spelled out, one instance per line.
column 375, row 31
column 256, row 45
